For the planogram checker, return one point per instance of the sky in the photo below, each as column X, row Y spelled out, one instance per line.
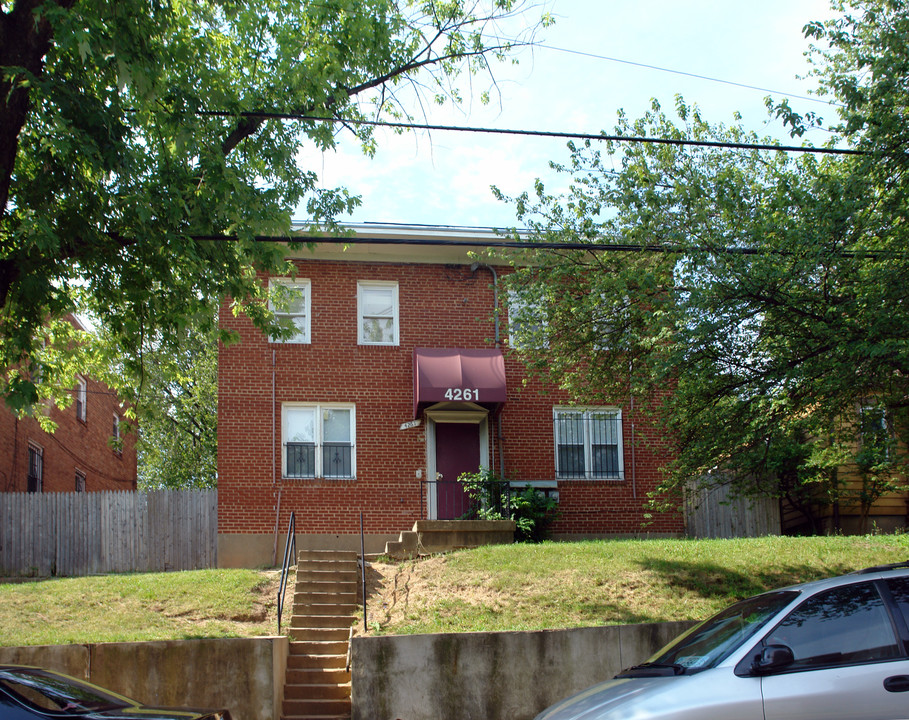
column 444, row 178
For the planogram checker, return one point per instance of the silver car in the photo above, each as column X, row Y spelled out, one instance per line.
column 826, row 650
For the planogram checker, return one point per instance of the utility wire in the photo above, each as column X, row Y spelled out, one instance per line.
column 533, row 245
column 686, row 74
column 535, row 133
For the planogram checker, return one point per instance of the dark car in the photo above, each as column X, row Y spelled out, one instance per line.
column 834, row 649
column 30, row 693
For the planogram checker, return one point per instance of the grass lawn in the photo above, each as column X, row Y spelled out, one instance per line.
column 557, row 585
column 506, row 587
column 140, row 606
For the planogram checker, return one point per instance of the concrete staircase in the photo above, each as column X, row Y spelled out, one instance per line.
column 317, row 686
column 437, row 536
column 406, row 547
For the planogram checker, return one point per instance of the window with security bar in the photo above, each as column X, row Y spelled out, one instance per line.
column 318, row 441
column 588, row 443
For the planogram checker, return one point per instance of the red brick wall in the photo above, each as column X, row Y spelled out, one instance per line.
column 440, row 306
column 75, row 446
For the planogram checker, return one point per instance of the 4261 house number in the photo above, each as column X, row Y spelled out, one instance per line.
column 465, row 394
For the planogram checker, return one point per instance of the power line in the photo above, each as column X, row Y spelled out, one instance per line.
column 535, row 245
column 686, row 74
column 265, row 115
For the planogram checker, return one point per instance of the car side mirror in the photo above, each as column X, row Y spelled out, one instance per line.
column 772, row 658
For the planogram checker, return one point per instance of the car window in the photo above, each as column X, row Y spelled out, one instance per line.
column 899, row 589
column 843, row 626
column 709, row 643
column 47, row 691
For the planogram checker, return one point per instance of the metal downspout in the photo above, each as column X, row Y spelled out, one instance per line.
column 495, row 311
column 634, row 467
column 274, row 479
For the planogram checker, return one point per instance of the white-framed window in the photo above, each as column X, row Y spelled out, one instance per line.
column 377, row 313
column 875, row 441
column 35, row 468
column 116, row 438
column 80, row 481
column 290, row 300
column 527, row 323
column 81, row 398
column 319, row 441
column 588, row 443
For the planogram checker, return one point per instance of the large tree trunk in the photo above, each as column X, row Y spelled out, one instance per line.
column 24, row 43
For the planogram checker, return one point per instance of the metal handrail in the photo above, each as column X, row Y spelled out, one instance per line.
column 291, row 542
column 363, row 571
column 494, row 497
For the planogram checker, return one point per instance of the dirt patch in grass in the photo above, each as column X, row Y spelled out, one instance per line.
column 399, row 592
column 496, row 588
column 559, row 585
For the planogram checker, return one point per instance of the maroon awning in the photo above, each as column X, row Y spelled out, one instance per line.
column 458, row 375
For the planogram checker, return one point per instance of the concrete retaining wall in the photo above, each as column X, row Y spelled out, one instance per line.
column 245, row 675
column 467, row 676
column 491, row 676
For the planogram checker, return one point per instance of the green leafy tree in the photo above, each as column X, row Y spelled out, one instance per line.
column 135, row 134
column 755, row 299
column 177, row 442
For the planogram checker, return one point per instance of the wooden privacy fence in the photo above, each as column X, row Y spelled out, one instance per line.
column 44, row 534
column 713, row 513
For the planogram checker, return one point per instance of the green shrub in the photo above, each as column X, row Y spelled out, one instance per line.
column 494, row 499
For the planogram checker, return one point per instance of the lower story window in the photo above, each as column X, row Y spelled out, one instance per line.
column 588, row 443
column 35, row 468
column 318, row 441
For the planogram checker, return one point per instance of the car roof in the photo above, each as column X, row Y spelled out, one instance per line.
column 898, row 569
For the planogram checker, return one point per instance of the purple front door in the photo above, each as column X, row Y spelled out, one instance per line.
column 457, row 451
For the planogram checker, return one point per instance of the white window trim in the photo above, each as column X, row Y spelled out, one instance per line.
column 117, row 436
column 588, row 453
column 318, row 407
column 376, row 284
column 881, row 429
column 81, row 398
column 539, row 339
column 305, row 287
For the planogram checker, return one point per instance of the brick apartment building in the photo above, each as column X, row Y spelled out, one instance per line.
column 393, row 386
column 89, row 451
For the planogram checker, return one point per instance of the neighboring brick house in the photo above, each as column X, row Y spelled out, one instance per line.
column 88, row 451
column 395, row 380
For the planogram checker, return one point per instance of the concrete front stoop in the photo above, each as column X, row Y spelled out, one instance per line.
column 434, row 536
column 407, row 545
column 325, row 605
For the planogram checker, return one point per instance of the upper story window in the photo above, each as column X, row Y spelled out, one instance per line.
column 81, row 397
column 290, row 302
column 116, row 437
column 80, row 481
column 377, row 313
column 318, row 441
column 527, row 322
column 588, row 443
